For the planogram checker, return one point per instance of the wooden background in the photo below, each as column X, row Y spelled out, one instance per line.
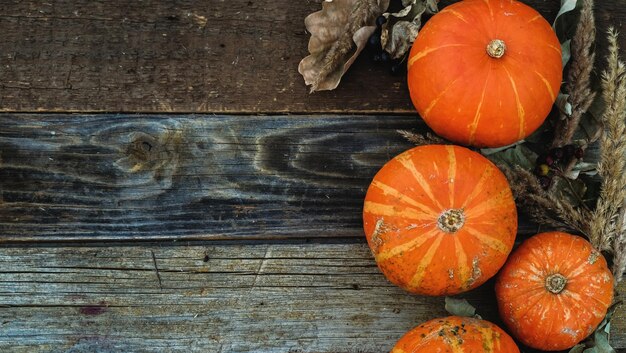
column 168, row 184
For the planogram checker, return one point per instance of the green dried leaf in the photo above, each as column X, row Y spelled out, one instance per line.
column 459, row 307
column 582, row 168
column 566, row 19
column 563, row 104
column 518, row 155
column 565, row 26
column 577, row 348
column 566, row 51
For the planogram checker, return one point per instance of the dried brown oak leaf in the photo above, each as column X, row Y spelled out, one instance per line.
column 339, row 32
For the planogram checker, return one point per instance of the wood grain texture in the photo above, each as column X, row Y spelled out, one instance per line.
column 217, row 298
column 131, row 177
column 187, row 56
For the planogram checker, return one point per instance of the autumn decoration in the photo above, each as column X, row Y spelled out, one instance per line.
column 543, row 108
column 456, row 334
column 554, row 290
column 498, row 66
column 440, row 219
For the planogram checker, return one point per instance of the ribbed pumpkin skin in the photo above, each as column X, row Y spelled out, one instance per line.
column 471, row 98
column 540, row 318
column 405, row 203
column 456, row 334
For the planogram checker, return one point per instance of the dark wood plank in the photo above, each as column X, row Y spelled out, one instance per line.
column 222, row 298
column 130, row 177
column 186, row 56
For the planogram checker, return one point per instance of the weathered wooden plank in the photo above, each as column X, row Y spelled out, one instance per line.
column 71, row 177
column 217, row 298
column 186, row 56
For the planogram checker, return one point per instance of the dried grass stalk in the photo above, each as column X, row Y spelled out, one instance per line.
column 422, row 139
column 578, row 84
column 607, row 221
column 544, row 207
column 611, row 169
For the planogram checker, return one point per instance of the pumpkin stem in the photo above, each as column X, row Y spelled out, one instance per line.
column 555, row 283
column 496, row 48
column 451, row 220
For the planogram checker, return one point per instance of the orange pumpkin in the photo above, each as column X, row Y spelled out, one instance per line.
column 554, row 291
column 485, row 72
column 439, row 219
column 456, row 334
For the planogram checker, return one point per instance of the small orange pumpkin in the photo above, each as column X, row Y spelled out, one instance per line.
column 456, row 334
column 554, row 291
column 439, row 219
column 485, row 72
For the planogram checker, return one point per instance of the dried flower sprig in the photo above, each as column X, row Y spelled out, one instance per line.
column 422, row 139
column 542, row 206
column 578, row 84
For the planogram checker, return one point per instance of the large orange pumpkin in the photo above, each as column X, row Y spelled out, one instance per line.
column 456, row 334
column 439, row 219
column 554, row 291
column 485, row 72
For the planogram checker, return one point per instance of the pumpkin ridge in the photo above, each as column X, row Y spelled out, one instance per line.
column 493, row 243
column 534, row 19
column 452, row 170
column 445, row 90
column 407, row 246
column 455, row 14
column 474, row 124
column 420, row 272
column 424, row 52
column 494, row 202
column 485, row 175
column 388, row 190
column 490, row 9
column 520, row 109
column 462, row 265
column 545, row 81
column 380, row 209
column 407, row 162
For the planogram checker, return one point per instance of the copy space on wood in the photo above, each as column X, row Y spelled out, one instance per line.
column 213, row 298
column 187, row 56
column 67, row 177
column 129, row 177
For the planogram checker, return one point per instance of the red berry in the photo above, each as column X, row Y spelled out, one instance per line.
column 545, row 181
column 579, row 153
column 557, row 153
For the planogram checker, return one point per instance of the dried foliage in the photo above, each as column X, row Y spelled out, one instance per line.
column 578, row 82
column 339, row 32
column 607, row 222
column 422, row 139
column 542, row 206
column 402, row 27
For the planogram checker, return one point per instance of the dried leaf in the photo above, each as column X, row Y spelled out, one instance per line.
column 459, row 307
column 519, row 155
column 563, row 105
column 339, row 32
column 565, row 26
column 402, row 27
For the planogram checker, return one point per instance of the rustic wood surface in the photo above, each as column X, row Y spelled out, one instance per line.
column 129, row 177
column 215, row 298
column 165, row 232
column 187, row 56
